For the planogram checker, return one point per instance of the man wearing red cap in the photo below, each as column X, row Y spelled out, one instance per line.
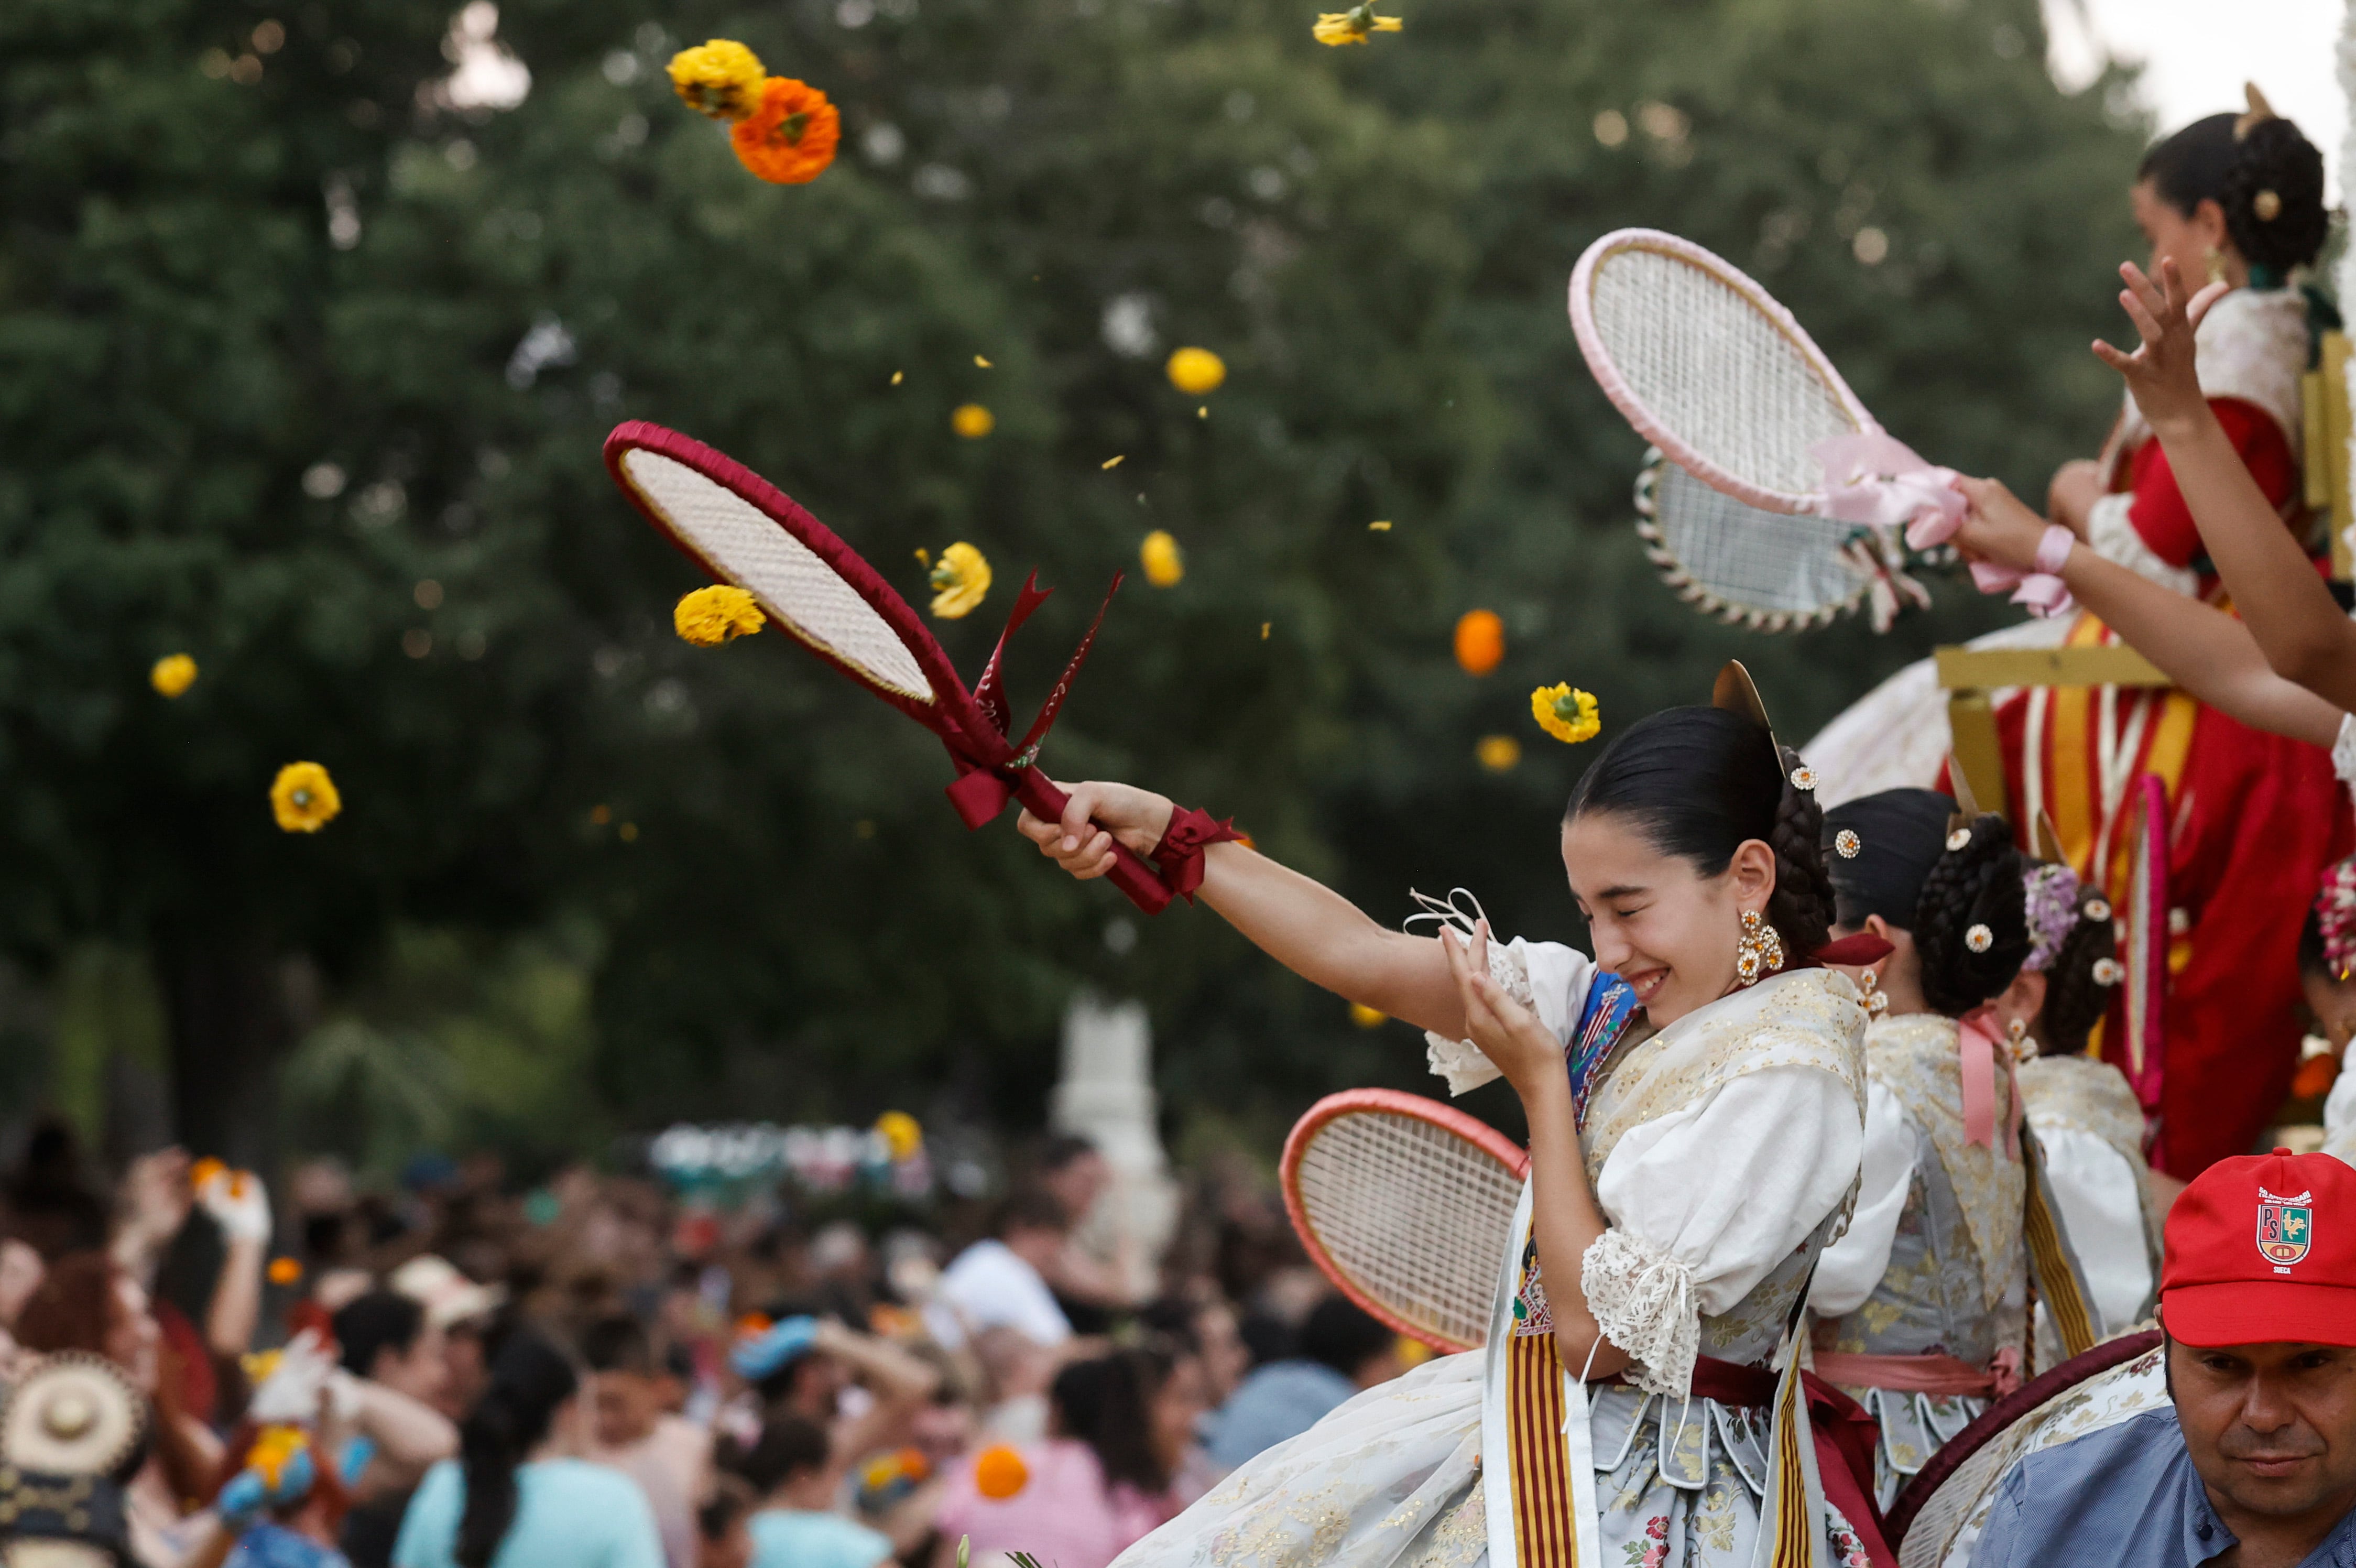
column 2255, row 1466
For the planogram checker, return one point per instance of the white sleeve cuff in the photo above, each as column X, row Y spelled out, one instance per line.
column 2111, row 533
column 1643, row 1301
column 1462, row 1062
column 2344, row 749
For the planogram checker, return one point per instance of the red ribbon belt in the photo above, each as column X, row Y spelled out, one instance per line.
column 1844, row 1435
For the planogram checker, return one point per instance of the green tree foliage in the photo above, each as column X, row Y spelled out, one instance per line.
column 308, row 377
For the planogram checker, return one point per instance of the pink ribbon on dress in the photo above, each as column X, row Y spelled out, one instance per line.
column 1979, row 1045
column 1873, row 479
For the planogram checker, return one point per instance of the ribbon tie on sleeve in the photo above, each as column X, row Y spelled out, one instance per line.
column 1873, row 479
column 1979, row 1045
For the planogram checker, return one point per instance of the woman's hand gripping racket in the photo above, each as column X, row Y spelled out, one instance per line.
column 743, row 530
column 1708, row 366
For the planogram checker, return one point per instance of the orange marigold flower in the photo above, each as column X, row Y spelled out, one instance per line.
column 791, row 137
column 284, row 1270
column 999, row 1473
column 1479, row 641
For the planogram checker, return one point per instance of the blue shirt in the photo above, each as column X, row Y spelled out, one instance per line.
column 2126, row 1497
column 569, row 1514
column 1281, row 1399
column 793, row 1537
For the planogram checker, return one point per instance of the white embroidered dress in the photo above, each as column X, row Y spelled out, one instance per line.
column 1724, row 1152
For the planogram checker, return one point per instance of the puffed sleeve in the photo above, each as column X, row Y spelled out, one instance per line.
column 1853, row 1265
column 1549, row 978
column 1703, row 1202
column 2101, row 1198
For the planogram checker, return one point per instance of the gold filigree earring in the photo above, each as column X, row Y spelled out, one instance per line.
column 2017, row 1033
column 1759, row 951
column 2215, row 259
column 1875, row 1001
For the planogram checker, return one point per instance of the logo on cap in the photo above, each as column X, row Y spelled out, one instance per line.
column 2286, row 1227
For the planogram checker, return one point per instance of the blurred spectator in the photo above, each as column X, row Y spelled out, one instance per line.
column 792, row 1469
column 1342, row 1352
column 670, row 1459
column 1088, row 1287
column 865, row 1393
column 88, row 1302
column 519, row 1496
column 21, row 1271
column 1120, row 1426
column 386, row 1339
column 1001, row 1282
column 460, row 1309
column 724, row 1538
column 51, row 1206
column 1016, row 1370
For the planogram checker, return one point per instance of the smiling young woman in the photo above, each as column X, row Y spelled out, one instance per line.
column 1694, row 1095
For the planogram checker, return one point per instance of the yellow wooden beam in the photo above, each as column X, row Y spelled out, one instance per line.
column 1971, row 728
column 1985, row 668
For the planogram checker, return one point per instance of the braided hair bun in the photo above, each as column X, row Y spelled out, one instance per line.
column 2075, row 995
column 2267, row 180
column 1802, row 906
column 1971, row 928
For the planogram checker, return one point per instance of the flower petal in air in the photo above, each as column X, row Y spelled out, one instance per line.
column 304, row 798
column 173, row 674
column 1479, row 641
column 1165, row 567
column 790, row 138
column 959, row 580
column 1196, row 371
column 972, row 421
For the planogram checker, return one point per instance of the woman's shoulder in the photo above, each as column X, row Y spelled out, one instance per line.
column 568, row 1481
column 1928, row 1038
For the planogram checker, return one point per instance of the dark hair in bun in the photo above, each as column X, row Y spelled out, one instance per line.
column 1904, row 872
column 2207, row 162
column 1698, row 783
column 2075, row 997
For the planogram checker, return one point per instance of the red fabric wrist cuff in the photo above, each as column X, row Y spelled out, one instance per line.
column 1180, row 852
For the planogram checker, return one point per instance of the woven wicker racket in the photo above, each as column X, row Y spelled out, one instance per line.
column 1407, row 1204
column 1768, row 571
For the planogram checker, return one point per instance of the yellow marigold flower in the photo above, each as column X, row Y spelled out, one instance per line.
column 304, row 797
column 1367, row 1017
column 722, row 79
column 1479, row 641
column 1196, row 370
column 710, row 616
column 173, row 674
column 900, row 1133
column 1164, row 566
column 1351, row 26
column 1566, row 713
column 272, row 1450
column 1499, row 753
column 1413, row 1352
column 959, row 580
column 972, row 421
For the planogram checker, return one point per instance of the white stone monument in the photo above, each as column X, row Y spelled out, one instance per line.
column 1106, row 1095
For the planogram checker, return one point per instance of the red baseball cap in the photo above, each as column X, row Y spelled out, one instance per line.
column 2263, row 1248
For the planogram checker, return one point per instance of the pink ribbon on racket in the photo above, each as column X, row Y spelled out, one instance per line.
column 1976, row 1043
column 1873, row 479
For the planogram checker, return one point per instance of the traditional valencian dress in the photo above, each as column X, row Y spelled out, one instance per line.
column 2251, row 818
column 1724, row 1152
column 1921, row 1305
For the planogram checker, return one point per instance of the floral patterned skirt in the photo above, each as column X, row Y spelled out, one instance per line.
column 1391, row 1479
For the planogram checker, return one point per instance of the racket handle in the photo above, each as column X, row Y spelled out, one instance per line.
column 1129, row 873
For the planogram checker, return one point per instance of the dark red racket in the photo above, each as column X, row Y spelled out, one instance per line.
column 743, row 530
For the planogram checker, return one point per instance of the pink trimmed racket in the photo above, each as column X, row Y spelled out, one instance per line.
column 743, row 530
column 1710, row 368
column 1407, row 1204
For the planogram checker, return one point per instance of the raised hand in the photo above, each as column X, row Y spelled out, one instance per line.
column 1507, row 1032
column 1083, row 846
column 1999, row 528
column 2160, row 374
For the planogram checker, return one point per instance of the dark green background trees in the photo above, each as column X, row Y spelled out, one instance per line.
column 308, row 377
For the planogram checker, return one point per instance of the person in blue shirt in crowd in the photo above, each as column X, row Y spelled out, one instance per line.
column 1340, row 1352
column 2255, row 1463
column 516, row 1496
column 796, row 1526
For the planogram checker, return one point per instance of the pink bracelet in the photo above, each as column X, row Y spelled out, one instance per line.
column 2053, row 549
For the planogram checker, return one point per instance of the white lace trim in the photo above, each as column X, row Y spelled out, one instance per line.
column 1460, row 1062
column 2343, row 750
column 1643, row 1301
column 2112, row 536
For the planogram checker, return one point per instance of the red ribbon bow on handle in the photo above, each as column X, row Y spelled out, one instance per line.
column 990, row 767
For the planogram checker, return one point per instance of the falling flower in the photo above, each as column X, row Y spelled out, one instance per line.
column 998, row 1473
column 304, row 797
column 1412, row 1352
column 1566, row 713
column 1351, row 26
column 710, row 616
column 900, row 1134
column 791, row 137
column 1113, row 462
column 1196, row 370
column 173, row 674
column 982, row 363
column 722, row 79
column 972, row 421
column 284, row 1270
column 896, row 377
column 1499, row 753
column 1263, row 629
column 1367, row 1017
column 959, row 580
column 1164, row 566
column 1479, row 641
column 1380, row 525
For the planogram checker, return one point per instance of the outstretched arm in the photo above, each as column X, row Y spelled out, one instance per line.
column 1302, row 924
column 2292, row 615
column 2200, row 647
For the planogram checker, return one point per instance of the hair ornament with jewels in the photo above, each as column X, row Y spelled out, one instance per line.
column 2053, row 913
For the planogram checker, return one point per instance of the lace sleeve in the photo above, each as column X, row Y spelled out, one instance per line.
column 1460, row 1062
column 1643, row 1299
column 2111, row 533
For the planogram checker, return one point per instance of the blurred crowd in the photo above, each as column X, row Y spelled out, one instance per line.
column 596, row 1373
